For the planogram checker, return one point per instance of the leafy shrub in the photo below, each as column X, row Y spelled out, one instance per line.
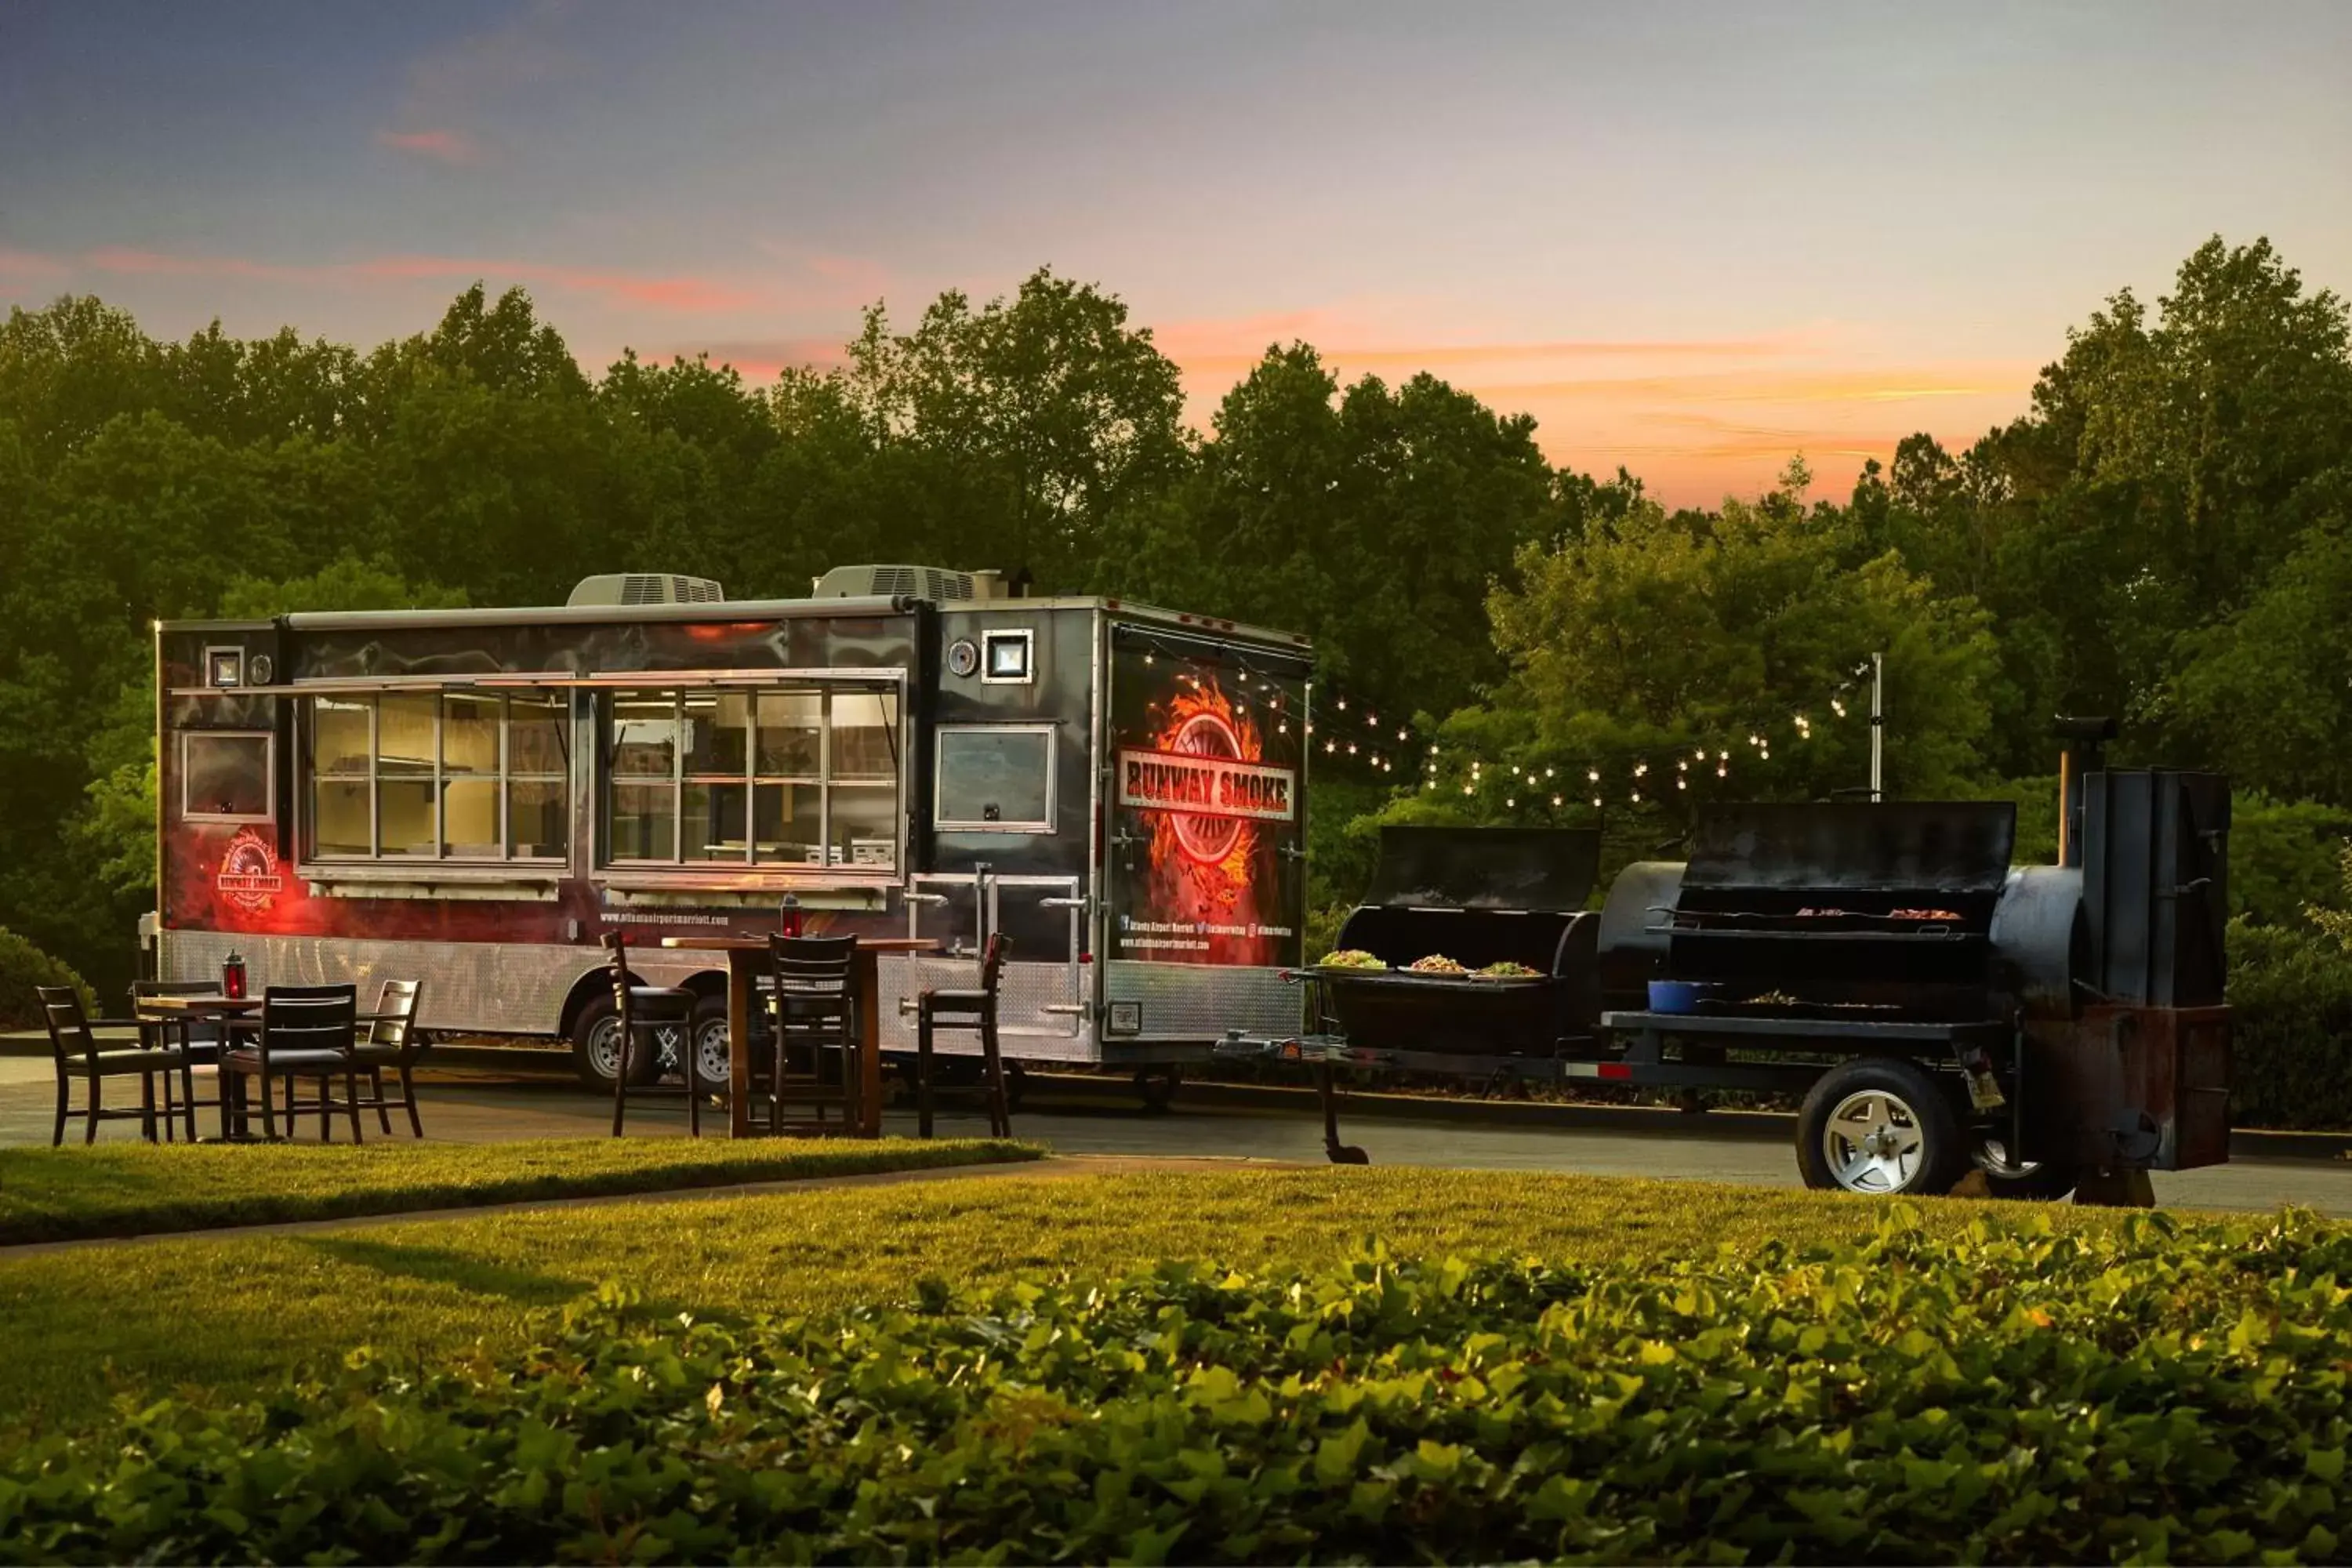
column 2145, row 1391
column 23, row 967
column 2291, row 1027
column 2284, row 856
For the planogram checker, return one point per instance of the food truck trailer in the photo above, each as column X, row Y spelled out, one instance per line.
column 473, row 798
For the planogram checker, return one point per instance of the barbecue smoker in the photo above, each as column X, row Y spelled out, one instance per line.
column 1480, row 897
column 2055, row 1027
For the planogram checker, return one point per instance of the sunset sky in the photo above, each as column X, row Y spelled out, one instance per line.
column 1691, row 240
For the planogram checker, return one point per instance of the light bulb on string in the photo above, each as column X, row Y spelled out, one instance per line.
column 1546, row 772
column 1721, row 772
column 1682, row 783
column 1641, row 769
column 1637, row 797
column 1720, row 757
column 1699, row 755
column 1594, row 774
column 1352, row 748
column 1596, row 802
column 1837, row 706
column 1330, row 746
column 1510, row 803
column 1343, row 705
column 1555, row 800
column 1681, row 766
column 1465, row 789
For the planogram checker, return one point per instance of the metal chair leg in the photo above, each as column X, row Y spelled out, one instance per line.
column 89, row 1128
column 923, row 1073
column 147, row 1107
column 351, row 1100
column 1000, row 1116
column 57, row 1134
column 268, row 1107
column 188, row 1093
column 408, row 1093
column 620, row 1079
column 383, row 1111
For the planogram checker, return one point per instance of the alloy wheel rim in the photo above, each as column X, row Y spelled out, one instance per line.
column 1872, row 1142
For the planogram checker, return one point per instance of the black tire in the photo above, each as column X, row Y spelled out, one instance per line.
column 594, row 1035
column 712, row 1072
column 2039, row 1181
column 1157, row 1086
column 1917, row 1144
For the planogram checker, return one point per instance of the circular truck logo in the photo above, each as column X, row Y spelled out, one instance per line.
column 249, row 875
column 1206, row 840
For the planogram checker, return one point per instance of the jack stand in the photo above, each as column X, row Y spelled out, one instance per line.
column 2127, row 1188
column 1328, row 1087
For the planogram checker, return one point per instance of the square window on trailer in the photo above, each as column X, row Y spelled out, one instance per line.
column 227, row 775
column 994, row 778
column 447, row 776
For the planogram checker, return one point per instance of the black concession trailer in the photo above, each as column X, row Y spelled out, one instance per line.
column 1937, row 1008
column 473, row 797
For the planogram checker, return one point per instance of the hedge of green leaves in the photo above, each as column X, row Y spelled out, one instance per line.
column 2291, row 1028
column 2149, row 1390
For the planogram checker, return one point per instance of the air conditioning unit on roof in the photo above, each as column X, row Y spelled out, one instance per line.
column 647, row 588
column 937, row 583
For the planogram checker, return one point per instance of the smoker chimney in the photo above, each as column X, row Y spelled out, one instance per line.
column 2084, row 751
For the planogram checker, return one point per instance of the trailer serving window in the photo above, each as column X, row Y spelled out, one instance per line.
column 444, row 776
column 994, row 778
column 798, row 776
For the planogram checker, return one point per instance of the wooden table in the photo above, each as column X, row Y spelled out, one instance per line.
column 745, row 958
column 232, row 1012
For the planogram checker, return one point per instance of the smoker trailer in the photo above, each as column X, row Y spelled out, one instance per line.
column 473, row 798
column 2055, row 1027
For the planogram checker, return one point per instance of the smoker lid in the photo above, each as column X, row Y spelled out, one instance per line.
column 1487, row 867
column 1944, row 845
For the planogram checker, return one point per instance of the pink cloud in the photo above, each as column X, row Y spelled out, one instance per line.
column 683, row 293
column 29, row 266
column 453, row 147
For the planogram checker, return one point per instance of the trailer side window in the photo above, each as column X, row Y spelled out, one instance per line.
column 437, row 776
column 802, row 776
column 226, row 777
column 996, row 778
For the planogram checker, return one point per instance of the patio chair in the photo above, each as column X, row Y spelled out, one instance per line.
column 306, row 1032
column 812, row 1010
column 80, row 1055
column 200, row 1041
column 393, row 1041
column 641, row 1010
column 973, row 1010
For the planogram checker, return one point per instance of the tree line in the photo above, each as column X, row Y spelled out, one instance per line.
column 2161, row 537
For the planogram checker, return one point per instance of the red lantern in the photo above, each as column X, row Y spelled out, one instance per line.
column 233, row 978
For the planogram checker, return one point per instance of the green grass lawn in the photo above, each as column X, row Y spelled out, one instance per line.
column 223, row 1317
column 130, row 1189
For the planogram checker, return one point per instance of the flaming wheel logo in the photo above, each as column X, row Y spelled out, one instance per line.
column 1207, row 840
column 249, row 875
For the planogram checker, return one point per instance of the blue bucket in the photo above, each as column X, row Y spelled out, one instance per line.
column 1675, row 996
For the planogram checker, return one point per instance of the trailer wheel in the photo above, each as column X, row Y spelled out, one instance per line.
column 1880, row 1125
column 713, row 1073
column 1157, row 1086
column 2028, row 1181
column 595, row 1047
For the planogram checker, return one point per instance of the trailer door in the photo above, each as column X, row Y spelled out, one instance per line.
column 1204, row 862
column 1042, row 996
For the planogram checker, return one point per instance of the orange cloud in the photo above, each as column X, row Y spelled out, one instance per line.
column 441, row 146
column 1442, row 357
column 1899, row 384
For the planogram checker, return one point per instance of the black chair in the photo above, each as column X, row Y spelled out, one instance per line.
column 640, row 1010
column 199, row 1040
column 812, row 1016
column 80, row 1056
column 306, row 1032
column 975, row 1010
column 393, row 1041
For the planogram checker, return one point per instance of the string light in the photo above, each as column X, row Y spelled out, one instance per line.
column 1641, row 769
column 1330, row 746
column 1343, row 705
column 1837, row 706
column 1596, row 802
column 1594, row 774
column 1509, row 802
column 1682, row 783
column 1555, row 800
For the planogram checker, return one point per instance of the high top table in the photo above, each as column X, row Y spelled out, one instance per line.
column 745, row 956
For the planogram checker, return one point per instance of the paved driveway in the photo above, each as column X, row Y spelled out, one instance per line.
column 479, row 1108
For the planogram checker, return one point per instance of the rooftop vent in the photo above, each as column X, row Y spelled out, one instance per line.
column 937, row 583
column 647, row 588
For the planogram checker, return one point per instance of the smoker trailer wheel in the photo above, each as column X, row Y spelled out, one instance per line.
column 1880, row 1125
